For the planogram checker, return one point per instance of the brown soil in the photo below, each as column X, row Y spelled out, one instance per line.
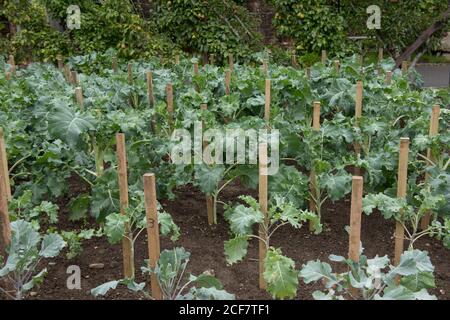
column 206, row 246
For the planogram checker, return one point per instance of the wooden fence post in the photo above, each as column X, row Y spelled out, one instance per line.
column 434, row 130
column 5, row 226
column 227, row 82
column 402, row 181
column 79, row 96
column 354, row 247
column 127, row 242
column 4, row 161
column 312, row 174
column 324, row 56
column 263, row 199
column 267, row 102
column 152, row 231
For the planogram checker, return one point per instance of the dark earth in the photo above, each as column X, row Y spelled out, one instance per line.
column 206, row 246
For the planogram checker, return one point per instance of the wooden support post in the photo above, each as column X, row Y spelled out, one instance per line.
column 354, row 247
column 388, row 78
column 152, row 231
column 380, row 55
column 150, row 95
column 402, row 183
column 405, row 68
column 263, row 199
column 60, row 62
column 74, row 78
column 337, row 65
column 169, row 97
column 434, row 130
column 227, row 82
column 265, row 67
column 312, row 174
column 231, row 62
column 79, row 96
column 5, row 226
column 115, row 65
column 127, row 243
column 308, row 73
column 4, row 161
column 358, row 114
column 196, row 69
column 130, row 73
column 267, row 102
column 324, row 56
column 210, row 210
column 12, row 63
column 67, row 74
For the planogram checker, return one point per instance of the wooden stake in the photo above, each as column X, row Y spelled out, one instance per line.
column 402, row 181
column 265, row 67
column 130, row 73
column 150, row 96
column 312, row 174
column 115, row 65
column 196, row 69
column 337, row 65
column 405, row 68
column 152, row 231
column 227, row 82
column 177, row 59
column 388, row 78
column 211, row 213
column 5, row 226
column 231, row 62
column 169, row 94
column 358, row 114
column 79, row 96
column 12, row 63
column 263, row 198
column 380, row 55
column 60, row 62
column 127, row 243
column 324, row 56
column 354, row 247
column 308, row 73
column 434, row 130
column 267, row 100
column 294, row 59
column 8, row 75
column 67, row 74
column 74, row 77
column 4, row 161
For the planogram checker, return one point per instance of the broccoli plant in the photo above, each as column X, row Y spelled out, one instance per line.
column 280, row 274
column 170, row 272
column 373, row 279
column 24, row 256
column 409, row 213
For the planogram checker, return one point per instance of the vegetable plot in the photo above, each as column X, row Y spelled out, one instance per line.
column 116, row 132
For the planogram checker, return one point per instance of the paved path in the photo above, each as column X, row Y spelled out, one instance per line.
column 435, row 75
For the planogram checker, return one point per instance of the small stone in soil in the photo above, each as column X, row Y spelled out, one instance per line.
column 96, row 266
column 52, row 263
column 33, row 294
